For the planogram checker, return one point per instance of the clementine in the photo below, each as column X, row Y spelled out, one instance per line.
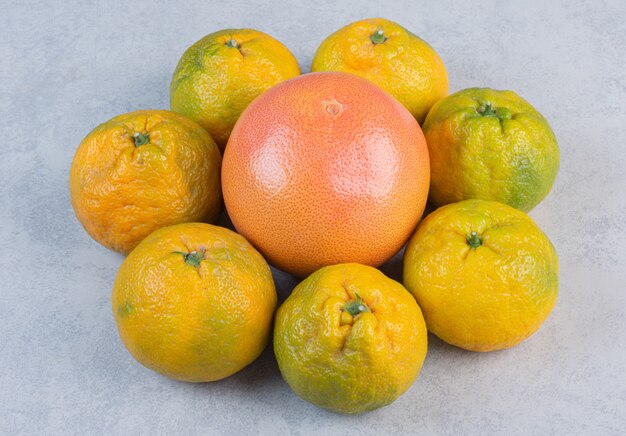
column 349, row 339
column 389, row 56
column 326, row 168
column 484, row 274
column 218, row 76
column 194, row 302
column 142, row 171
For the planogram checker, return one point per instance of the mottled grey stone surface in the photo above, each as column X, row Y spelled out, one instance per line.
column 65, row 67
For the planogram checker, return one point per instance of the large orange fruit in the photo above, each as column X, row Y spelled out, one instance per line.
column 325, row 168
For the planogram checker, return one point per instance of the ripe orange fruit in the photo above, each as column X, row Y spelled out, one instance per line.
column 141, row 171
column 218, row 76
column 390, row 56
column 194, row 302
column 484, row 274
column 325, row 168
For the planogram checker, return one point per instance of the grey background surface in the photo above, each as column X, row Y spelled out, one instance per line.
column 67, row 66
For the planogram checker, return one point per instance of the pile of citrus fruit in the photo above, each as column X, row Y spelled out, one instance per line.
column 326, row 176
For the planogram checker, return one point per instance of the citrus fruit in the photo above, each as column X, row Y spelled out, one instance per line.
column 349, row 339
column 325, row 168
column 491, row 145
column 484, row 274
column 390, row 56
column 141, row 171
column 194, row 302
column 219, row 75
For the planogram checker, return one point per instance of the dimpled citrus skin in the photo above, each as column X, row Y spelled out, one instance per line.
column 402, row 64
column 122, row 192
column 359, row 364
column 485, row 298
column 214, row 82
column 194, row 323
column 511, row 157
column 325, row 168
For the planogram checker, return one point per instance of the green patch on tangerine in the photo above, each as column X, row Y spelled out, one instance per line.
column 517, row 199
column 125, row 309
column 527, row 185
column 549, row 280
column 193, row 62
column 206, row 51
